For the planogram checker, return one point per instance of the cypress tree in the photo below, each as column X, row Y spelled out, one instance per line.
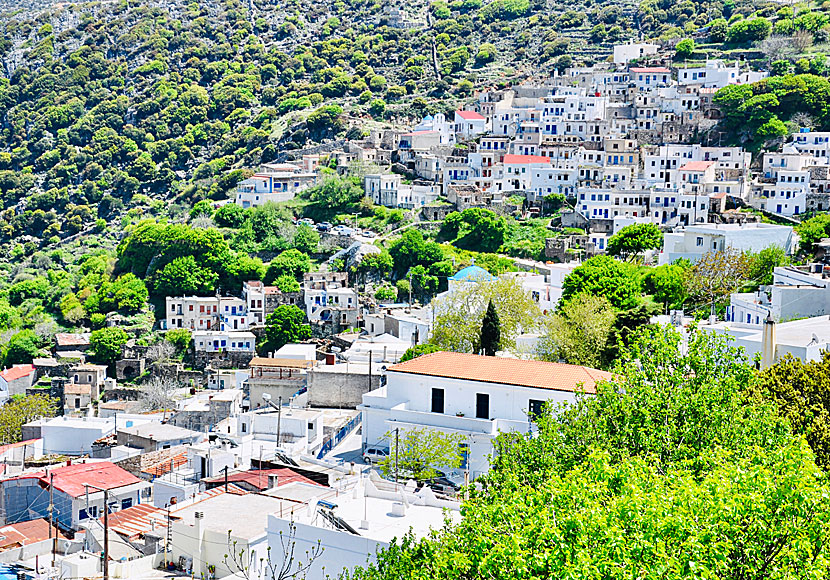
column 490, row 331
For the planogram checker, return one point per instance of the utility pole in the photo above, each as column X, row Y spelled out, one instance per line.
column 107, row 528
column 370, row 371
column 53, row 535
column 225, row 469
column 396, row 455
column 279, row 421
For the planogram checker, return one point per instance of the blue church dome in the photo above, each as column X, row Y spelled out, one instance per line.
column 473, row 274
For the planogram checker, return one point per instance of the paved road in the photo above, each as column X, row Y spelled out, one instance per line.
column 349, row 450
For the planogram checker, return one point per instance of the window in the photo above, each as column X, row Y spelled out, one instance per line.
column 699, row 241
column 534, row 408
column 310, row 426
column 437, row 400
column 482, row 406
column 126, row 503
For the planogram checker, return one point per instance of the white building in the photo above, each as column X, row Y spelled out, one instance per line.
column 469, row 124
column 207, row 313
column 623, row 53
column 275, row 182
column 475, row 396
column 795, row 293
column 806, row 339
column 224, row 341
column 692, row 242
column 348, row 527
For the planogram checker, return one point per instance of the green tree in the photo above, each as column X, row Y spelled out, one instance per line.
column 306, row 239
column 23, row 346
column 106, row 343
column 419, row 350
column 667, row 285
column 411, row 250
column 179, row 337
column 292, row 263
column 476, row 229
column 459, row 314
column 21, row 410
column 810, row 232
column 184, row 276
column 718, row 274
column 417, row 453
column 685, row 49
column 284, row 325
column 201, row 209
column 603, row 276
column 230, row 215
column 635, row 239
column 718, row 30
column 287, row 283
column 765, row 261
column 800, row 391
column 126, row 293
column 490, row 331
column 580, row 332
column 336, row 193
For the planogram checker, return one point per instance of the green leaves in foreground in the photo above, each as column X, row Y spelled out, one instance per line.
column 673, row 470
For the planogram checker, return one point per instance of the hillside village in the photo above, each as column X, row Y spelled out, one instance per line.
column 258, row 434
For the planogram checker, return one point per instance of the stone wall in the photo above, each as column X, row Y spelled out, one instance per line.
column 339, row 389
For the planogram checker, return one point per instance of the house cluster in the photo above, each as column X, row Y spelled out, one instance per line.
column 126, row 492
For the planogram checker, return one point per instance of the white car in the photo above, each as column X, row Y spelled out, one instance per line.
column 374, row 454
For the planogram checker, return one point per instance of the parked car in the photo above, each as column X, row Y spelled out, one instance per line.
column 342, row 231
column 369, row 234
column 443, row 484
column 306, row 222
column 323, row 227
column 374, row 454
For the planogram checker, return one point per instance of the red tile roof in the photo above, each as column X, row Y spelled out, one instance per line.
column 25, row 533
column 134, row 521
column 166, row 465
column 17, row 371
column 71, row 478
column 259, row 478
column 505, row 371
column 470, row 115
column 515, row 159
column 72, row 339
column 697, row 166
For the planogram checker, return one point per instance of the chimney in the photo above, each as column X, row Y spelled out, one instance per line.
column 273, row 480
column 197, row 553
column 768, row 343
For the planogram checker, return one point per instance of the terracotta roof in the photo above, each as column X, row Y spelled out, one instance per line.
column 259, row 478
column 291, row 363
column 71, row 478
column 650, row 69
column 132, row 522
column 470, row 115
column 71, row 339
column 697, row 166
column 25, row 533
column 505, row 371
column 17, row 372
column 73, row 389
column 166, row 465
column 513, row 159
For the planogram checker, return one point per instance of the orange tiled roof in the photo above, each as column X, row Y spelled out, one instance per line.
column 506, row 371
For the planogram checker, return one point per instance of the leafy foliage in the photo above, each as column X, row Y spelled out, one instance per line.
column 106, row 343
column 416, row 453
column 635, row 239
column 22, row 410
column 603, row 276
column 286, row 324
